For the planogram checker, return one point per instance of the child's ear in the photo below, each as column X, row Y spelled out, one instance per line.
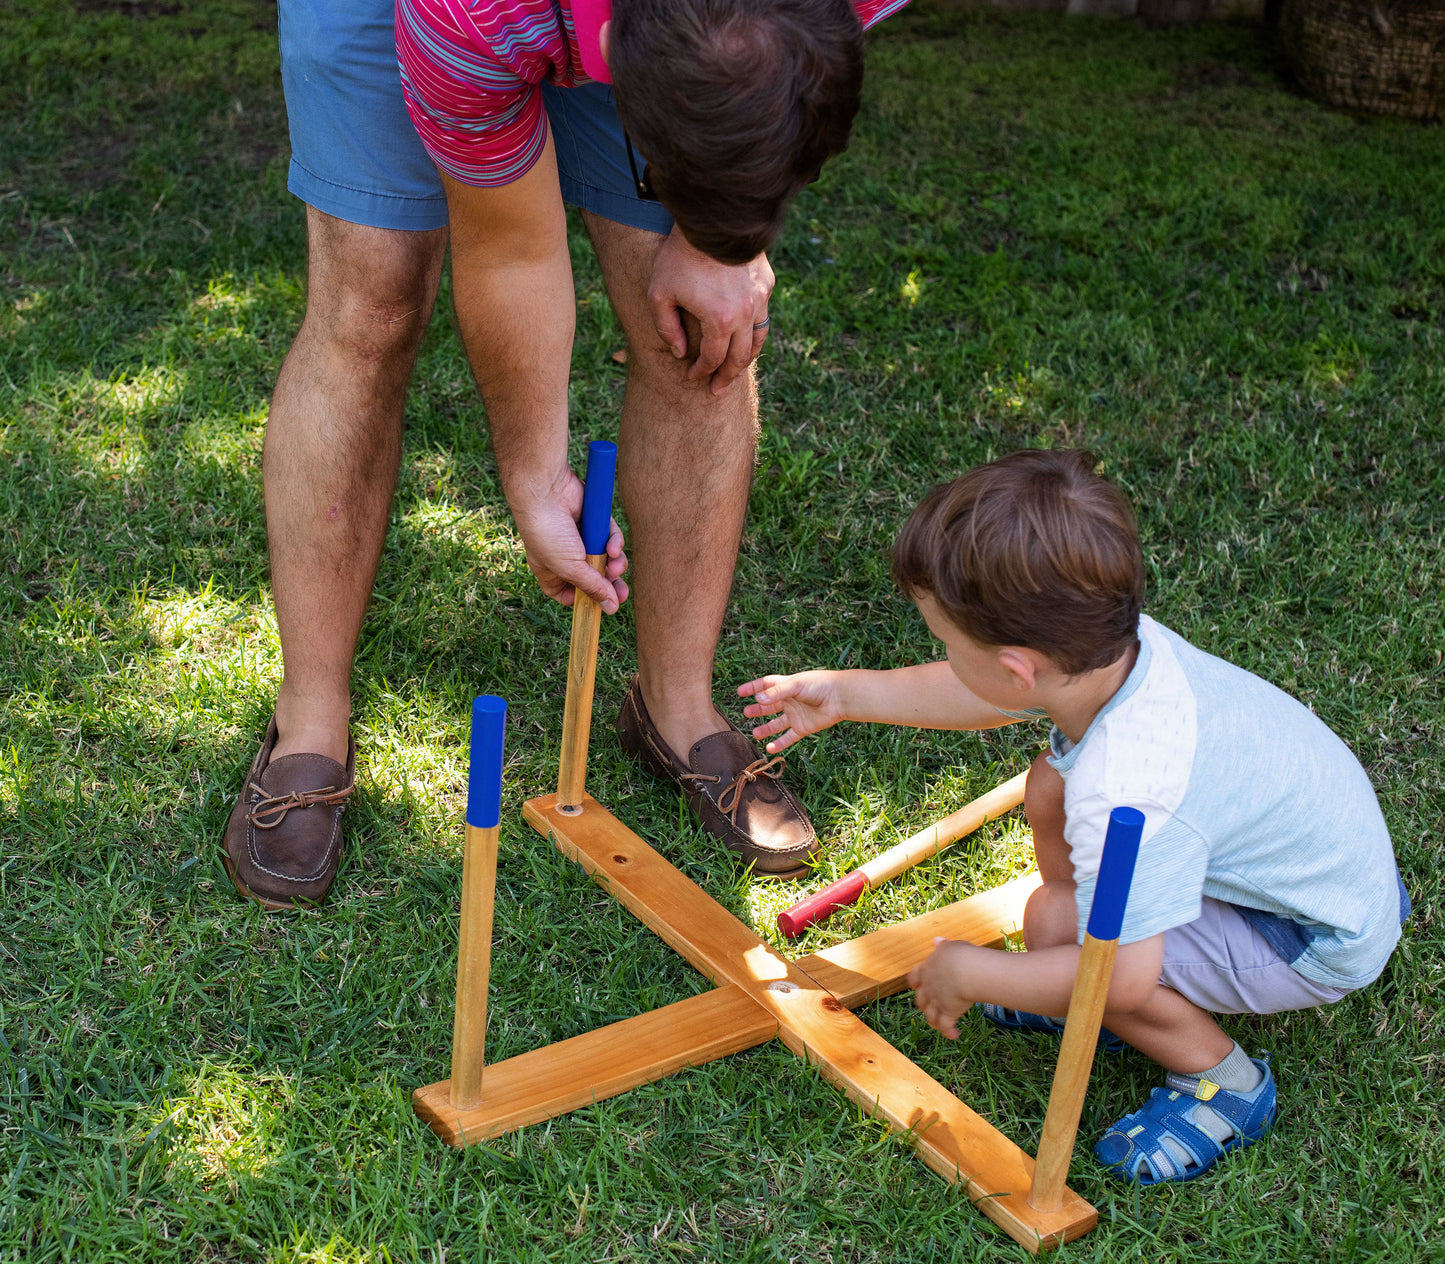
column 1021, row 665
column 604, row 39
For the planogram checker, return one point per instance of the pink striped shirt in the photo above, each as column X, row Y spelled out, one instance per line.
column 472, row 69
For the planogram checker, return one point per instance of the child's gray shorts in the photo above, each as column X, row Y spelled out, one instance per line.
column 1221, row 963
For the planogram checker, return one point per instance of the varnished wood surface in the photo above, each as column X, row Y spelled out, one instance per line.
column 474, row 959
column 950, row 1138
column 573, row 1073
column 581, row 677
column 1071, row 1079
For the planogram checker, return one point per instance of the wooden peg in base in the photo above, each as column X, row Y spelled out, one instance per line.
column 479, row 884
column 586, row 624
column 1086, row 1009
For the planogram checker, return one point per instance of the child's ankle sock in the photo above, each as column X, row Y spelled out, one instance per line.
column 1235, row 1073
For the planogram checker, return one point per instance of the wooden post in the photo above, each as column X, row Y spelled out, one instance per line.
column 586, row 623
column 479, row 884
column 1086, row 1008
column 911, row 851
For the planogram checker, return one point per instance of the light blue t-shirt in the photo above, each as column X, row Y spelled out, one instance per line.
column 1247, row 797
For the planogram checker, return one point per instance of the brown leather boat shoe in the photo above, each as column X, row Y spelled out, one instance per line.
column 738, row 795
column 283, row 841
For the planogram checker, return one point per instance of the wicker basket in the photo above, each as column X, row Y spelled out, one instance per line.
column 1382, row 55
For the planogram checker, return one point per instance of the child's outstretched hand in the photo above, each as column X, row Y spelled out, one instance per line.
column 809, row 702
column 938, row 985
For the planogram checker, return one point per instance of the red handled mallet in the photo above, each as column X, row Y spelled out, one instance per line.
column 911, row 851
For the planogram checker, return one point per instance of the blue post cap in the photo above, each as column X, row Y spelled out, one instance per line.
column 597, row 496
column 484, row 778
column 1116, row 872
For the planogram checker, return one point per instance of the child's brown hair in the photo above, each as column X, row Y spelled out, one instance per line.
column 1034, row 550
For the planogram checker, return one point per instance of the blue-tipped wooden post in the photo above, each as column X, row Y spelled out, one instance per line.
column 479, row 885
column 586, row 621
column 1086, row 1008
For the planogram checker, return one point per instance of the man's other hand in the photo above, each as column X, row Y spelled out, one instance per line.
column 730, row 303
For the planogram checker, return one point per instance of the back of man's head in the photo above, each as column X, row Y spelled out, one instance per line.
column 736, row 105
column 1034, row 549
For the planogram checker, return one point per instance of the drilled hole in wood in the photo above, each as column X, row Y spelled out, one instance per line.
column 569, row 809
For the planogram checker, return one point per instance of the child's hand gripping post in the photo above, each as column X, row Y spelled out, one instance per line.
column 586, row 621
column 1086, row 1008
column 479, row 884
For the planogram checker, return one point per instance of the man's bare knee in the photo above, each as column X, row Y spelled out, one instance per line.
column 371, row 290
column 655, row 370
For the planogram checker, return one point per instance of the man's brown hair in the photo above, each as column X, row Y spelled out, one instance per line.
column 736, row 105
column 1034, row 550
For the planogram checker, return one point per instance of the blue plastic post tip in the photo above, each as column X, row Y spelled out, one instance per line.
column 1116, row 872
column 484, row 778
column 597, row 496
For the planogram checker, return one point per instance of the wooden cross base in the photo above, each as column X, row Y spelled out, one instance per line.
column 760, row 994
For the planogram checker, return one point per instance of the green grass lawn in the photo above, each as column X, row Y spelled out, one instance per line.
column 1045, row 233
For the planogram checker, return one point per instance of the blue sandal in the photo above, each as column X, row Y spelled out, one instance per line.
column 1022, row 1020
column 1138, row 1140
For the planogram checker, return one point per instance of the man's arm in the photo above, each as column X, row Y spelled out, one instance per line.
column 512, row 279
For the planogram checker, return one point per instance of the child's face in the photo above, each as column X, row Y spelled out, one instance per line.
column 976, row 665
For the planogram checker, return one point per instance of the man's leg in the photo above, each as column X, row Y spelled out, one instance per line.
column 333, row 442
column 685, row 463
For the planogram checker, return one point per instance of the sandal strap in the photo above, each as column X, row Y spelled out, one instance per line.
column 1165, row 1114
column 1245, row 1115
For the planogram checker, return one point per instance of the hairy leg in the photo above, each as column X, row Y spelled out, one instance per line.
column 684, row 467
column 333, row 443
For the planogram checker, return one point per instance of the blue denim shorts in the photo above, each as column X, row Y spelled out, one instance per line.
column 355, row 154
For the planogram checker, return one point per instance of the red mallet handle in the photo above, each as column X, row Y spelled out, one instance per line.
column 845, row 891
column 911, row 851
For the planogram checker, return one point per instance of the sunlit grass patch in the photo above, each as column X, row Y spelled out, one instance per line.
column 226, row 1123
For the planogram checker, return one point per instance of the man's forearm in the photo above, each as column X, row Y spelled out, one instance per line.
column 512, row 279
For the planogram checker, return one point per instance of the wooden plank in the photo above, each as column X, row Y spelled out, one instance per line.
column 663, row 898
column 574, row 1073
column 958, row 1144
column 953, row 1140
column 874, row 965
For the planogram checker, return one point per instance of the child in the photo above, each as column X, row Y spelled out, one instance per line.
column 1266, row 879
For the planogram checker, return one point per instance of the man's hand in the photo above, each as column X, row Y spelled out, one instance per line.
column 555, row 554
column 940, row 984
column 810, row 702
column 729, row 302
